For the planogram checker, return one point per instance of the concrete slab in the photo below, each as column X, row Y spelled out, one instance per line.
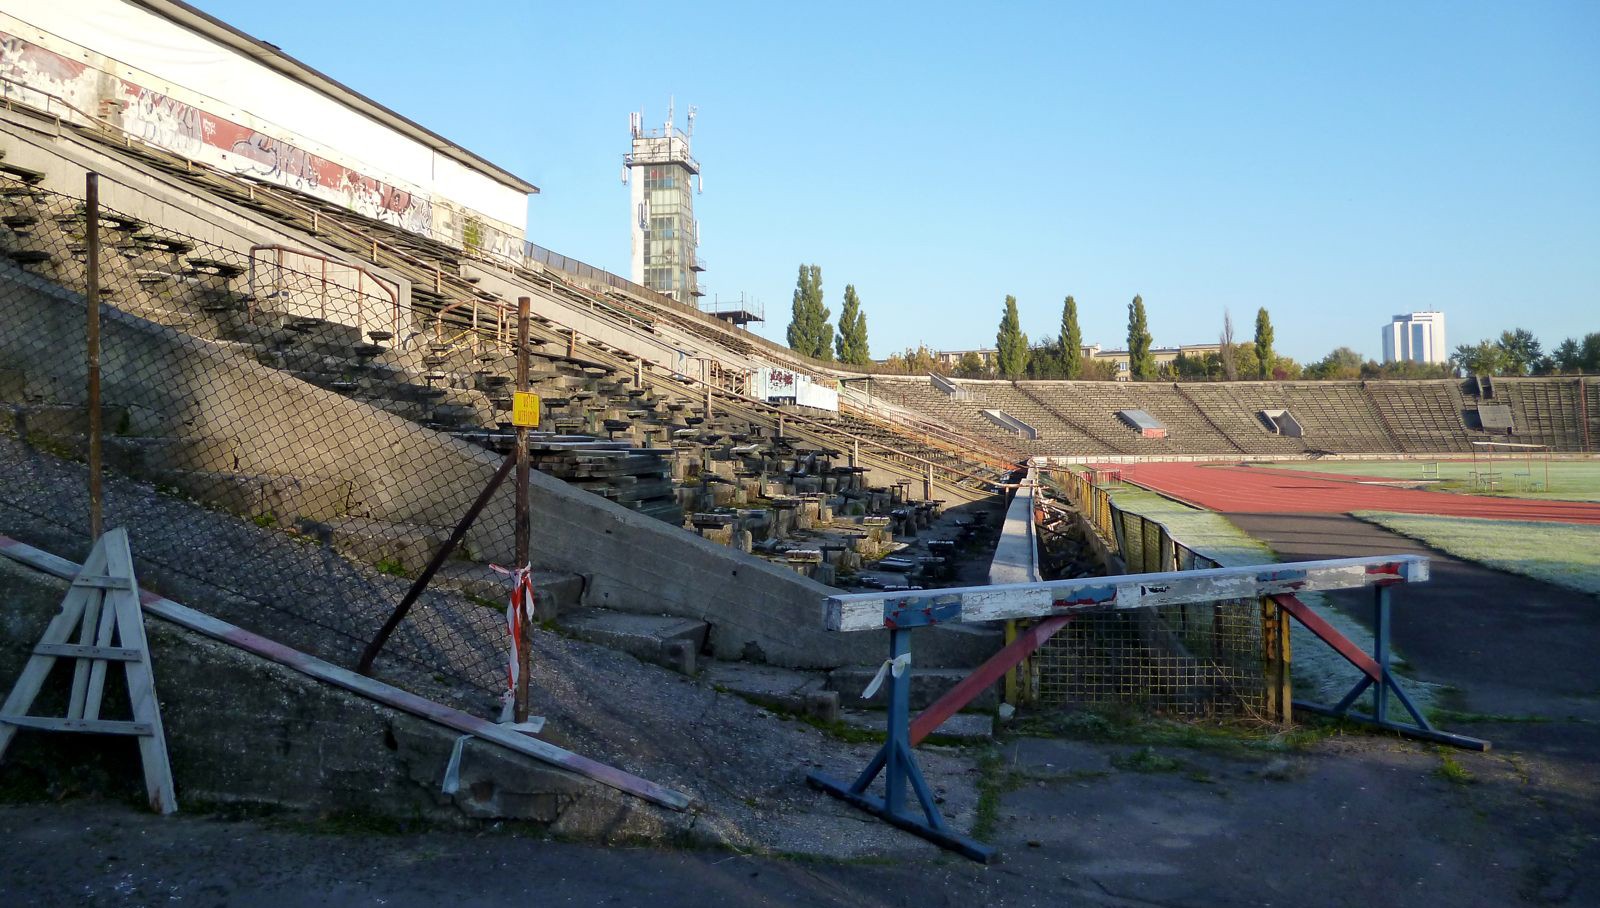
column 662, row 639
column 927, row 685
column 786, row 689
column 965, row 726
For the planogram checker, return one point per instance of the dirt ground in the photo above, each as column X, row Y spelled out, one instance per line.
column 1103, row 815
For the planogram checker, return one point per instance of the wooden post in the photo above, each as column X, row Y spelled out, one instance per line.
column 525, row 645
column 1275, row 658
column 91, row 226
column 927, row 483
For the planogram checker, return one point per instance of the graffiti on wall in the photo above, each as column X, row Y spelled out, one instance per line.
column 162, row 120
column 195, row 133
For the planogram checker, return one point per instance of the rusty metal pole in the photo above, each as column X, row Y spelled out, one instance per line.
column 525, row 645
column 91, row 228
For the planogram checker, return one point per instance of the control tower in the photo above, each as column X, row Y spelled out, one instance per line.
column 658, row 170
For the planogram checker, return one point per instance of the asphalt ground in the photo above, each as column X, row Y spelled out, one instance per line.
column 1350, row 820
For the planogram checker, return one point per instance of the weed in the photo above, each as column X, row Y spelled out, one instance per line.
column 1125, row 726
column 1451, row 770
column 265, row 521
column 391, row 567
column 994, row 780
column 1457, row 717
column 1145, row 759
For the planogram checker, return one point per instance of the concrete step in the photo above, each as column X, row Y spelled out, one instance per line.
column 373, row 541
column 54, row 422
column 555, row 593
column 285, row 500
column 927, row 685
column 789, row 690
column 149, row 457
column 662, row 639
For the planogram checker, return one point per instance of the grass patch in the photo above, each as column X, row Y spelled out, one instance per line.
column 1125, row 726
column 1565, row 554
column 1457, row 717
column 994, row 781
column 1145, row 759
column 1451, row 770
column 1206, row 532
column 391, row 567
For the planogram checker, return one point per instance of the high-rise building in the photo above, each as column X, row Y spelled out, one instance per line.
column 658, row 170
column 1416, row 338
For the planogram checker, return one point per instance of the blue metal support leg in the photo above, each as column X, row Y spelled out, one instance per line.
column 1386, row 686
column 895, row 762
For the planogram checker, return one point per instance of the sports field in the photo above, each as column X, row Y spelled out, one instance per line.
column 1558, row 480
column 1234, row 489
column 1566, row 555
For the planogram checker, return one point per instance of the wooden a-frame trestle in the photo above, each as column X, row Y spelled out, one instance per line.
column 102, row 612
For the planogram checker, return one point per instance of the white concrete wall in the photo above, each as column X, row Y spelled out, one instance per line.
column 184, row 92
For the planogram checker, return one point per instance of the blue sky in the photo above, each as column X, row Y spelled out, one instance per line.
column 1337, row 162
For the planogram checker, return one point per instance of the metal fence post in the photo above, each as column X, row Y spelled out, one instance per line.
column 524, row 645
column 91, row 226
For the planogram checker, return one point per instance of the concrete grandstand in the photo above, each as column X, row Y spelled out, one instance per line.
column 310, row 336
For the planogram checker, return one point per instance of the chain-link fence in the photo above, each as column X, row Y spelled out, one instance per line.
column 1194, row 661
column 288, row 438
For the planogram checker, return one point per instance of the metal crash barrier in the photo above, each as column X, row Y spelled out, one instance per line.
column 1056, row 602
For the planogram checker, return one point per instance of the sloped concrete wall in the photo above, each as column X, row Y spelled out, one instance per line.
column 175, row 385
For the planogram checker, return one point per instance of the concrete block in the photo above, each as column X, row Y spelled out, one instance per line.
column 927, row 685
column 789, row 690
column 660, row 639
column 13, row 387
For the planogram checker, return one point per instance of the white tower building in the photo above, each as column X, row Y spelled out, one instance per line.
column 1417, row 338
column 658, row 170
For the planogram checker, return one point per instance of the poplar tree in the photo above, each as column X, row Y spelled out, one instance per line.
column 851, row 345
column 1140, row 366
column 1264, row 358
column 1011, row 345
column 809, row 331
column 1071, row 339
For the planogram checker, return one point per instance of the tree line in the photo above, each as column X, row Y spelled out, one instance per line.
column 1518, row 352
column 809, row 331
column 1062, row 356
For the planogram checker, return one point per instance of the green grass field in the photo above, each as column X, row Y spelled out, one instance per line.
column 1565, row 554
column 1206, row 532
column 1568, row 480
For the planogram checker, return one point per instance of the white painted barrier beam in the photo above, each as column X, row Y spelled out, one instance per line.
column 919, row 608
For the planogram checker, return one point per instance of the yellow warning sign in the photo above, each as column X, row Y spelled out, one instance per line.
column 525, row 410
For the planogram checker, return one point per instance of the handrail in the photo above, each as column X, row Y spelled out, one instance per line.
column 382, row 283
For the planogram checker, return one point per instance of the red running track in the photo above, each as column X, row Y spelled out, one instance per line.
column 1255, row 490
